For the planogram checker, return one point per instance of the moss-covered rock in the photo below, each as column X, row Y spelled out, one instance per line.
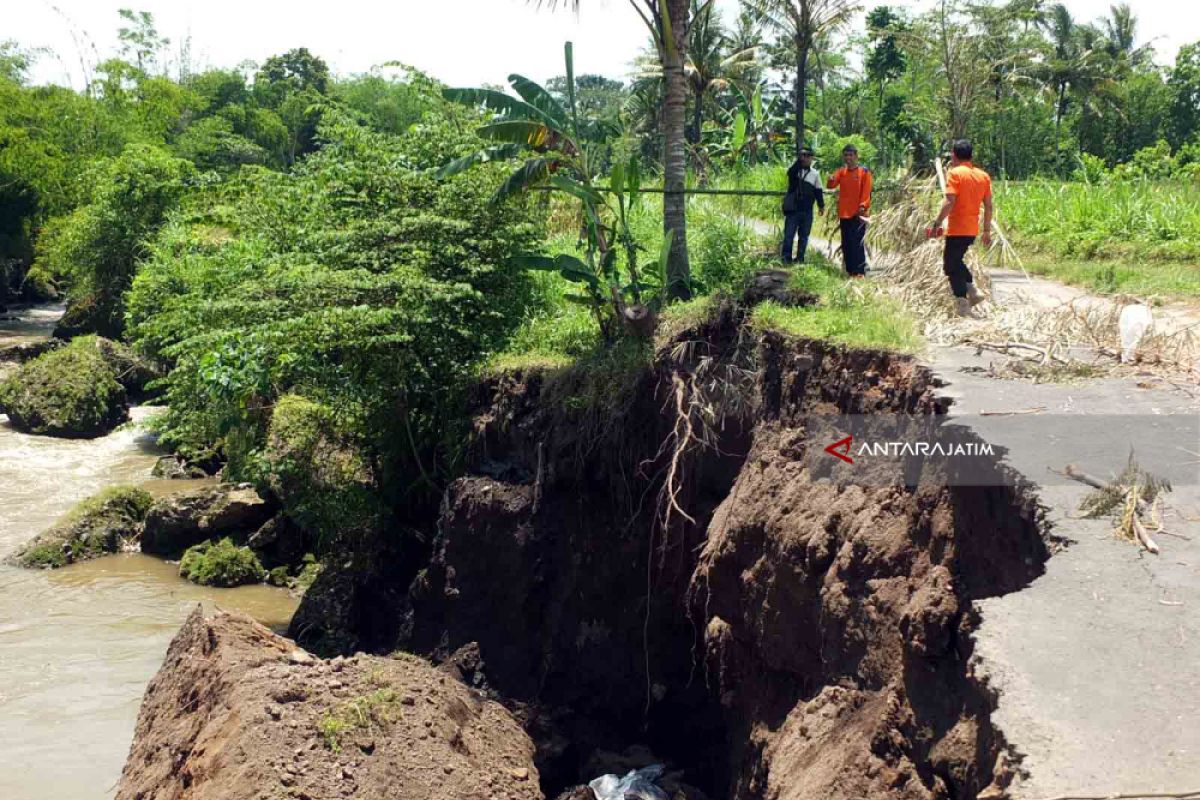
column 39, row 286
column 132, row 371
column 222, row 564
column 93, row 314
column 72, row 392
column 318, row 471
column 100, row 524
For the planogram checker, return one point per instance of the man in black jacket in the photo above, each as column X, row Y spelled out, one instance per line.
column 804, row 189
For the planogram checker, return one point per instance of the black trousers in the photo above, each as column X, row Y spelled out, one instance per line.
column 954, row 263
column 854, row 250
column 796, row 224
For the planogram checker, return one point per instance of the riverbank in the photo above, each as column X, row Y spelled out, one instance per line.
column 77, row 645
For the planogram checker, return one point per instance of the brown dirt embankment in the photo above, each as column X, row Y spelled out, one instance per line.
column 640, row 566
column 237, row 712
column 772, row 634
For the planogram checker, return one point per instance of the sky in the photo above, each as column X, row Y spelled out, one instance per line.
column 460, row 42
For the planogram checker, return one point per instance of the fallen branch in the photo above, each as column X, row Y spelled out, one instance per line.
column 1143, row 536
column 1033, row 410
column 1047, row 353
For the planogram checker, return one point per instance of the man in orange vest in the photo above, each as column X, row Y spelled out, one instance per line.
column 967, row 188
column 853, row 183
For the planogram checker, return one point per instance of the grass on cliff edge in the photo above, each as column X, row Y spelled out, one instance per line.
column 855, row 313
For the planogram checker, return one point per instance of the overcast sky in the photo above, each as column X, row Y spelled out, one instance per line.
column 461, row 42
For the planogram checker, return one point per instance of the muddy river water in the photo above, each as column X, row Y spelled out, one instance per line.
column 78, row 645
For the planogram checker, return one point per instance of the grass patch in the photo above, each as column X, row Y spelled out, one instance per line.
column 850, row 312
column 378, row 708
column 1120, row 276
column 1127, row 219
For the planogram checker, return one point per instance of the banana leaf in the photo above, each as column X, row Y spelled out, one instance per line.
column 539, row 98
column 499, row 102
column 519, row 131
column 576, row 189
column 531, row 173
column 500, row 153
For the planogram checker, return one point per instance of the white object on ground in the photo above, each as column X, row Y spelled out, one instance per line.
column 637, row 785
column 1135, row 322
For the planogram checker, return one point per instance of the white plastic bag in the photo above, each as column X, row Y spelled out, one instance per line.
column 637, row 785
column 1136, row 321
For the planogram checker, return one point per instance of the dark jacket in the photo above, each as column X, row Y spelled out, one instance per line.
column 804, row 189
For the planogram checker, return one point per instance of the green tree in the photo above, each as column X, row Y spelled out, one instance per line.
column 1184, row 84
column 712, row 62
column 294, row 85
column 802, row 23
column 14, row 62
column 140, row 40
column 357, row 280
column 98, row 246
column 885, row 61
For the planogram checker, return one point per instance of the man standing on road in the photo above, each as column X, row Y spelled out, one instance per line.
column 853, row 183
column 804, row 189
column 967, row 187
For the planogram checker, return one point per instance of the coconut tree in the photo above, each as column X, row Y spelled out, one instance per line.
column 669, row 23
column 711, row 64
column 801, row 23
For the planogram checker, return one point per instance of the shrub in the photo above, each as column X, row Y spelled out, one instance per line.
column 358, row 280
column 71, row 392
column 828, row 147
column 222, row 564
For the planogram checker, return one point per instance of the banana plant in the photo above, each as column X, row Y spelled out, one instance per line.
column 555, row 149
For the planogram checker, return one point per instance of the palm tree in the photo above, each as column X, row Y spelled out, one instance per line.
column 1120, row 28
column 1079, row 67
column 669, row 23
column 711, row 63
column 802, row 22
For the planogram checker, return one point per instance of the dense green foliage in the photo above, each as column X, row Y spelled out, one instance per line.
column 1117, row 217
column 95, row 526
column 358, row 280
column 97, row 246
column 222, row 564
column 71, row 392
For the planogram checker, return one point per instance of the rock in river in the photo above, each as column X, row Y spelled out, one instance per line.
column 177, row 522
column 99, row 525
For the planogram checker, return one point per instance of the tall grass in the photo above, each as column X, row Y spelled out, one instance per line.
column 1120, row 219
